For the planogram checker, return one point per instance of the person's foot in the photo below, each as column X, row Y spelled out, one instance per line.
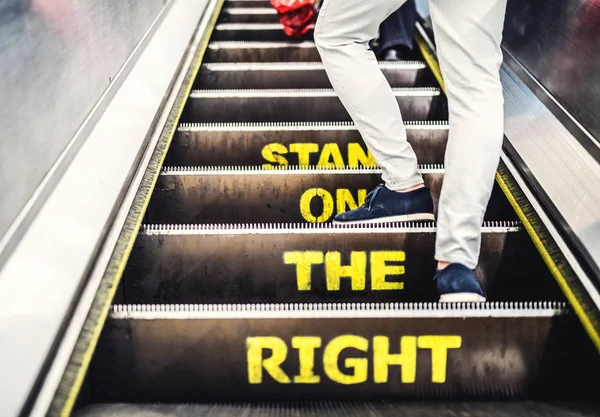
column 397, row 53
column 385, row 205
column 457, row 284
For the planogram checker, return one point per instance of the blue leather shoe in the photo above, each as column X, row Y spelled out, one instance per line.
column 385, row 205
column 457, row 284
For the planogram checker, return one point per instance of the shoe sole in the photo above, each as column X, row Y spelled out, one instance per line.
column 462, row 297
column 402, row 218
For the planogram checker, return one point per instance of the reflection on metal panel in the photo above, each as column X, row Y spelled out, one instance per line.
column 558, row 42
column 568, row 175
column 57, row 57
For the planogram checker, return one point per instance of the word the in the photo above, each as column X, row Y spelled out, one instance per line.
column 343, row 200
column 358, row 366
column 356, row 272
column 329, row 155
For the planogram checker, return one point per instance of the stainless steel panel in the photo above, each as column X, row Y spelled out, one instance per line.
column 57, row 57
column 558, row 41
column 566, row 174
column 56, row 257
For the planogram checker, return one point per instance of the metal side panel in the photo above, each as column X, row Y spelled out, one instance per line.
column 269, row 75
column 300, row 105
column 305, row 263
column 43, row 278
column 262, row 51
column 562, row 171
column 348, row 408
column 275, row 144
column 286, row 194
column 301, row 352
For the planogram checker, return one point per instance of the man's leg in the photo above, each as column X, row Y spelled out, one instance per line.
column 396, row 33
column 342, row 34
column 468, row 36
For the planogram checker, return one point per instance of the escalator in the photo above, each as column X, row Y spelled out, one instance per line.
column 241, row 297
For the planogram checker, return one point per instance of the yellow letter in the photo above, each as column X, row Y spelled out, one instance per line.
column 269, row 153
column 379, row 270
column 355, row 271
column 439, row 346
column 382, row 359
column 343, row 198
column 304, row 150
column 356, row 156
column 331, row 150
column 359, row 365
column 254, row 348
column 304, row 262
column 327, row 205
column 306, row 353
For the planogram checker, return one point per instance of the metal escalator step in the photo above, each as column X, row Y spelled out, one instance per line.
column 269, row 75
column 285, row 194
column 254, row 32
column 248, row 15
column 183, row 353
column 348, row 408
column 247, row 3
column 246, row 144
column 300, row 105
column 273, row 263
column 261, row 51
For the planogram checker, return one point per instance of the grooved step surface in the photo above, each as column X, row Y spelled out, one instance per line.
column 262, row 51
column 350, row 408
column 173, row 351
column 286, row 194
column 274, row 144
column 300, row 105
column 301, row 75
column 303, row 263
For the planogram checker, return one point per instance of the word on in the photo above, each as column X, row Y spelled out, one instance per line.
column 344, row 200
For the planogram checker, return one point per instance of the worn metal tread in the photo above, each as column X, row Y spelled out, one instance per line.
column 316, row 310
column 287, row 169
column 303, row 92
column 312, row 228
column 297, row 65
column 348, row 408
column 342, row 125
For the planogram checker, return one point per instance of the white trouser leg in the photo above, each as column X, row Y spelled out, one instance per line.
column 342, row 34
column 468, row 35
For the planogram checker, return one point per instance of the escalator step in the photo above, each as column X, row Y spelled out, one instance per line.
column 248, row 15
column 273, row 144
column 191, row 353
column 271, row 75
column 262, row 51
column 349, row 408
column 286, row 194
column 247, row 3
column 254, row 32
column 300, row 105
column 284, row 263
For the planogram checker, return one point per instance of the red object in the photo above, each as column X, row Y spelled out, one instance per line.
column 296, row 16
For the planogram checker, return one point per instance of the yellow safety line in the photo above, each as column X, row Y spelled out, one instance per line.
column 554, row 269
column 87, row 356
column 539, row 244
